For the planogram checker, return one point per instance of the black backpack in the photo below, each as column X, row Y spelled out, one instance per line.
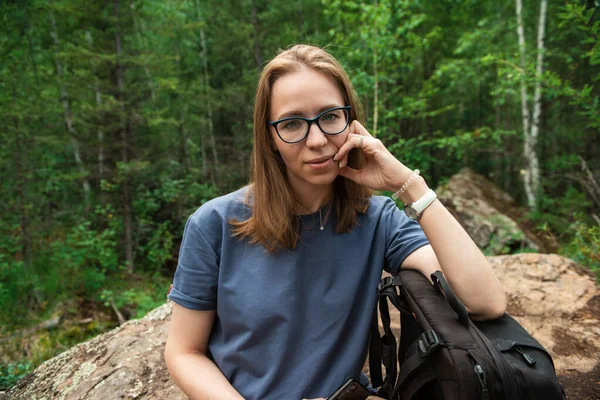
column 445, row 355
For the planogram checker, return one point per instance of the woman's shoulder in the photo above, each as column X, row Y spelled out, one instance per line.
column 383, row 209
column 234, row 205
column 379, row 204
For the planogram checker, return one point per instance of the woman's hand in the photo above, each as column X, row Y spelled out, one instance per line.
column 382, row 171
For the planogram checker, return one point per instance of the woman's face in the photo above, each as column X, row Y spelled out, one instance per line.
column 307, row 93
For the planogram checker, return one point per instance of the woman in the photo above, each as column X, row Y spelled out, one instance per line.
column 276, row 283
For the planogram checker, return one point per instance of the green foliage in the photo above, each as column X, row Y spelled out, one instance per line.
column 155, row 131
column 556, row 213
column 584, row 244
column 12, row 287
column 85, row 247
column 579, row 234
column 141, row 300
column 11, row 373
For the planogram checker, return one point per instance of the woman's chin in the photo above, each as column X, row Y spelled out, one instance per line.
column 323, row 179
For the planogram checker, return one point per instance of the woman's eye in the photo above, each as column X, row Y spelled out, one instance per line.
column 291, row 124
column 328, row 117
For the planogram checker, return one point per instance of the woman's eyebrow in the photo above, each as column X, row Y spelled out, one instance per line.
column 296, row 113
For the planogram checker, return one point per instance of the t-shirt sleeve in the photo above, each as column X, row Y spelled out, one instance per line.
column 404, row 236
column 196, row 278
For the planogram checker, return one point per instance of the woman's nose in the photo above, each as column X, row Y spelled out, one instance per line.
column 316, row 138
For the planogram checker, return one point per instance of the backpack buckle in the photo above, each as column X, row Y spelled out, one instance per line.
column 385, row 283
column 428, row 341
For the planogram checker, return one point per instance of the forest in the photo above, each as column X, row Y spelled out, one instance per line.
column 120, row 118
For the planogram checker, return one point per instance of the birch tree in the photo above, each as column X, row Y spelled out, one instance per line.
column 64, row 98
column 531, row 125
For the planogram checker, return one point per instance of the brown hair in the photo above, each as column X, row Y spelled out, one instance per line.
column 274, row 222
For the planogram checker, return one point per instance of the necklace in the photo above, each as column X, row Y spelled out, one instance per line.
column 321, row 226
column 326, row 215
column 321, row 219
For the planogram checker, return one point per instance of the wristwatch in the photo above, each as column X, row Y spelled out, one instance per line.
column 415, row 209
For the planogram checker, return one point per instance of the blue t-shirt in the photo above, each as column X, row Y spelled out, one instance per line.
column 294, row 324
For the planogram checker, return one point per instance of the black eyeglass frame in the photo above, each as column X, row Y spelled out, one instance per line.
column 310, row 122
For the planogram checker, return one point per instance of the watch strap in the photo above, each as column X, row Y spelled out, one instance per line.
column 422, row 203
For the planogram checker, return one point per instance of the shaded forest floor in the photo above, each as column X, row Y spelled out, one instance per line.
column 72, row 321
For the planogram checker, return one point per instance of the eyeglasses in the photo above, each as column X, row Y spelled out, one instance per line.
column 295, row 129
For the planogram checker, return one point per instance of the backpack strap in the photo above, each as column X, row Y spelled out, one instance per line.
column 417, row 354
column 463, row 316
column 375, row 353
column 383, row 349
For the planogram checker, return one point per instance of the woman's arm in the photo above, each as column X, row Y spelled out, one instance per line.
column 185, row 354
column 453, row 251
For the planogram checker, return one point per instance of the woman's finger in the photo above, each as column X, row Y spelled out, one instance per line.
column 351, row 173
column 344, row 161
column 357, row 128
column 353, row 141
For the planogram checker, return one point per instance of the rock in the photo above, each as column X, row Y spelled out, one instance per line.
column 125, row 363
column 490, row 216
column 558, row 305
column 548, row 294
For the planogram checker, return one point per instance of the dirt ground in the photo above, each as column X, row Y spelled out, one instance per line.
column 580, row 386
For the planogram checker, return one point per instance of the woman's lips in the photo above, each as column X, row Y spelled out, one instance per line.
column 321, row 164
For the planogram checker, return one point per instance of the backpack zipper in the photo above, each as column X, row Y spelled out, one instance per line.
column 480, row 373
column 482, row 381
column 526, row 357
column 504, row 368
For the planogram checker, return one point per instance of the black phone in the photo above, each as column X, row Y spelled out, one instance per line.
column 350, row 390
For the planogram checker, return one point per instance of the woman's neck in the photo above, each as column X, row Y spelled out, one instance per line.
column 312, row 199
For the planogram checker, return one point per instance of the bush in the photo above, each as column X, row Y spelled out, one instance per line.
column 13, row 372
column 584, row 246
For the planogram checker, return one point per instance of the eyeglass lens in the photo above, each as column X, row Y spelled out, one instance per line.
column 332, row 122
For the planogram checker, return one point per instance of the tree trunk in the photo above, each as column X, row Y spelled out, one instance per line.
column 531, row 170
column 204, row 156
column 26, row 242
column 523, row 65
column 257, row 49
column 375, row 75
column 209, row 115
column 537, row 106
column 300, row 22
column 126, row 192
column 98, row 95
column 497, row 156
column 145, row 46
column 36, row 74
column 184, row 158
column 64, row 97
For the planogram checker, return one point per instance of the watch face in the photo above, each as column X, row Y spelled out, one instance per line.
column 411, row 213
